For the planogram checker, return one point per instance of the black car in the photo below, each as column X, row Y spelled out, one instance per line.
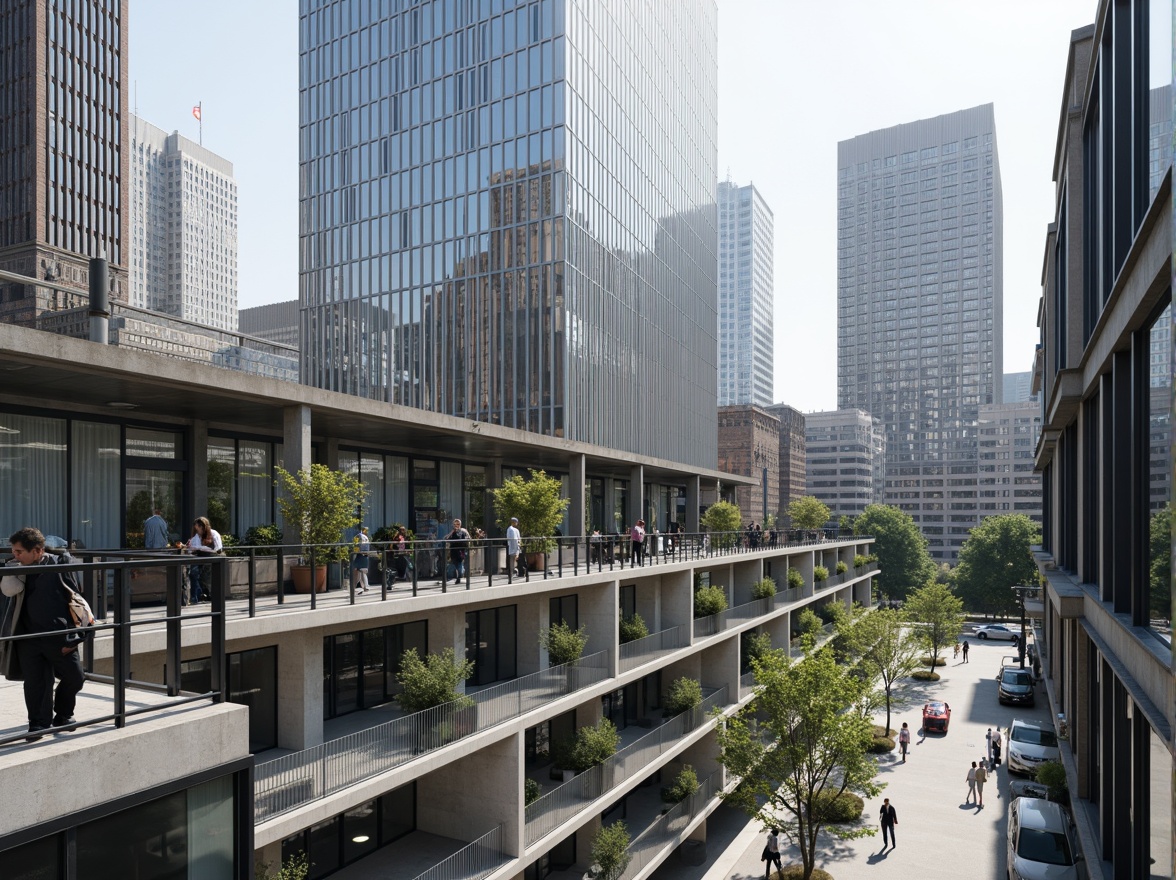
column 1016, row 686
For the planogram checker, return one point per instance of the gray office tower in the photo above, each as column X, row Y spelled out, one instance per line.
column 508, row 214
column 746, row 297
column 919, row 288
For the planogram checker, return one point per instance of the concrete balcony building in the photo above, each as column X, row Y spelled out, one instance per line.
column 323, row 761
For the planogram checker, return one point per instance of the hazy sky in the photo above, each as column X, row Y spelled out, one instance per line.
column 795, row 77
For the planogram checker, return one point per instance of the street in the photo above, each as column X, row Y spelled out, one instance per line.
column 935, row 826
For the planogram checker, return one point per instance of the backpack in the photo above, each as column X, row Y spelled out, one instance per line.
column 79, row 608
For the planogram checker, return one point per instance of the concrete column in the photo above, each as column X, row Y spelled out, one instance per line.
column 533, row 617
column 296, row 450
column 677, row 599
column 332, row 453
column 599, row 610
column 692, row 500
column 636, row 494
column 610, row 505
column 578, row 487
column 300, row 690
column 199, row 468
column 720, row 666
column 778, row 629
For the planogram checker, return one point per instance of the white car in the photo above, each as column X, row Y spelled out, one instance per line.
column 1042, row 842
column 1031, row 744
column 998, row 631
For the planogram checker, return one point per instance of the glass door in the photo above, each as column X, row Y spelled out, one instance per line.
column 147, row 489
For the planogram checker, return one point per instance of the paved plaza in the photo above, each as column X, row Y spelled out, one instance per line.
column 935, row 826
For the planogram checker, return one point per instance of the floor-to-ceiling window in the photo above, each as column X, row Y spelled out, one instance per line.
column 253, row 682
column 491, row 644
column 359, row 668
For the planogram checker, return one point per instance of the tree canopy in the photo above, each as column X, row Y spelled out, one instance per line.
column 887, row 647
column 723, row 520
column 903, row 561
column 995, row 558
column 940, row 616
column 1160, row 565
column 537, row 503
column 807, row 512
column 796, row 749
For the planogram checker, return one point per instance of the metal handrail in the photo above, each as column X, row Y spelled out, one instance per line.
column 561, row 803
column 746, row 684
column 471, row 862
column 299, row 778
column 641, row 651
column 115, row 577
column 669, row 825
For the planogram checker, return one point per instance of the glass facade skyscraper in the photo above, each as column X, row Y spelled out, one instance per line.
column 919, row 306
column 745, row 296
column 508, row 213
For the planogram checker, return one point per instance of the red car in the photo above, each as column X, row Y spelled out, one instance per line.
column 936, row 716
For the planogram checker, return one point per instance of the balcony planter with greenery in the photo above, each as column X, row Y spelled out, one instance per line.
column 842, row 568
column 795, row 579
column 318, row 505
column 709, row 600
column 859, row 561
column 594, row 745
column 685, row 784
column 684, row 694
column 633, row 628
column 433, row 681
column 610, row 852
column 563, row 644
column 539, row 508
column 763, row 589
column 820, row 573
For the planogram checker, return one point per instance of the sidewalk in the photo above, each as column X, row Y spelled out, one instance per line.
column 936, row 829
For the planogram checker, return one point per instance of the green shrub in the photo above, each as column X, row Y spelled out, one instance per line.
column 685, row 784
column 844, row 807
column 563, row 644
column 610, row 851
column 531, row 791
column 432, row 681
column 808, row 623
column 710, row 600
column 859, row 561
column 230, row 543
column 842, row 568
column 297, row 867
column 757, row 645
column 925, row 660
column 594, row 745
column 1052, row 774
column 264, row 536
column 685, row 693
column 882, row 740
column 763, row 589
column 795, row 579
column 633, row 628
column 925, row 675
column 796, row 872
column 832, row 612
column 820, row 573
column 723, row 520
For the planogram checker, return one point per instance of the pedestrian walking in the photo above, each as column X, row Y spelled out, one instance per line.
column 956, row 654
column 637, row 542
column 904, row 741
column 513, row 537
column 888, row 819
column 996, row 749
column 771, row 853
column 205, row 541
column 988, row 742
column 360, row 560
column 971, row 784
column 981, row 778
column 965, row 650
column 458, row 542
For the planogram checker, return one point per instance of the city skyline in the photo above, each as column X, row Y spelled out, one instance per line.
column 795, row 174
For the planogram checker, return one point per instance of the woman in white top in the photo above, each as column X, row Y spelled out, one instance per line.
column 205, row 541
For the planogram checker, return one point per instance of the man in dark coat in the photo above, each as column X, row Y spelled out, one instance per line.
column 888, row 819
column 55, row 655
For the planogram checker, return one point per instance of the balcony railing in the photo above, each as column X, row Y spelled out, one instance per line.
column 261, row 574
column 308, row 775
column 107, row 587
column 746, row 684
column 670, row 825
column 480, row 859
column 648, row 649
column 562, row 803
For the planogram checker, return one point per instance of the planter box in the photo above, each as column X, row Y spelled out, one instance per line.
column 265, row 573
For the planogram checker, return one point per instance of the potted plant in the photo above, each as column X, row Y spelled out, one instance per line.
column 709, row 600
column 684, row 695
column 610, row 852
column 318, row 505
column 685, row 784
column 539, row 508
column 563, row 644
column 633, row 628
column 431, row 682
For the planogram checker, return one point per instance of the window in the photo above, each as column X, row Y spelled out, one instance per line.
column 491, row 644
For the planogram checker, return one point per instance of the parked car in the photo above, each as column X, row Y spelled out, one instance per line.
column 936, row 716
column 1015, row 686
column 1042, row 842
column 1031, row 744
column 997, row 631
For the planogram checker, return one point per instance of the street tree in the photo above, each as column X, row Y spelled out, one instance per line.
column 723, row 520
column 903, row 561
column 796, row 749
column 995, row 558
column 888, row 649
column 939, row 616
column 807, row 512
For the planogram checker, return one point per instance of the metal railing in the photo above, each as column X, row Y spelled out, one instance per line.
column 667, row 827
column 746, row 684
column 299, row 778
column 263, row 573
column 107, row 586
column 472, row 862
column 648, row 649
column 563, row 802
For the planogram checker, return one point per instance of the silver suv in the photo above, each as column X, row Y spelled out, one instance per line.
column 1042, row 842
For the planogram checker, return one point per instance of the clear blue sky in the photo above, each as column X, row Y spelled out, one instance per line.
column 794, row 79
